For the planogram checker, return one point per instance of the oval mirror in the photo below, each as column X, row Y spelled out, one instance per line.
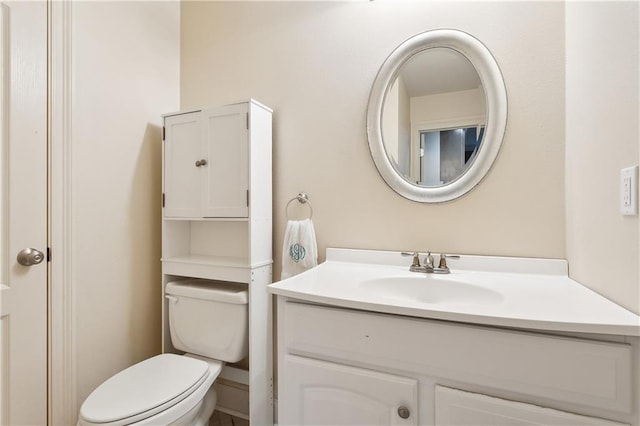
column 436, row 116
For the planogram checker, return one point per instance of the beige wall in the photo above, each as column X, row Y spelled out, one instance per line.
column 314, row 63
column 125, row 60
column 603, row 134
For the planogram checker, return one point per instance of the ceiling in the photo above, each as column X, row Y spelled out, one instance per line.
column 438, row 70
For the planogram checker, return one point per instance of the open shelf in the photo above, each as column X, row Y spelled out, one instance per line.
column 208, row 219
column 210, row 267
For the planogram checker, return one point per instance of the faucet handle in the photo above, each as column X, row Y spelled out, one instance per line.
column 416, row 259
column 443, row 260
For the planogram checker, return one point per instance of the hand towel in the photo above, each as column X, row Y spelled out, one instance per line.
column 300, row 250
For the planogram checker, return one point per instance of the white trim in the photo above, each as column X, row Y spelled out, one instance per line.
column 449, row 123
column 4, row 146
column 496, row 110
column 62, row 339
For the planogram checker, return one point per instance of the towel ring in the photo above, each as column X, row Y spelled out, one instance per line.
column 302, row 198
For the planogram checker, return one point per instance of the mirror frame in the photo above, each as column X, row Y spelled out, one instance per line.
column 496, row 113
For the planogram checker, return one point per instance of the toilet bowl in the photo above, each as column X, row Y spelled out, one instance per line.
column 208, row 320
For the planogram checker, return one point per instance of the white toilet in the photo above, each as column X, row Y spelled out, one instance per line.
column 209, row 321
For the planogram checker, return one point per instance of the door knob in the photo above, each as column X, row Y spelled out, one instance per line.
column 201, row 163
column 30, row 257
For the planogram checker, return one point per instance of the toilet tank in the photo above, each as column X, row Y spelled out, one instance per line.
column 209, row 318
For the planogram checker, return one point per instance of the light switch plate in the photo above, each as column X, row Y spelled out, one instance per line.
column 629, row 191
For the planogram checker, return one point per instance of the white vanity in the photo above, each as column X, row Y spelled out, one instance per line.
column 361, row 340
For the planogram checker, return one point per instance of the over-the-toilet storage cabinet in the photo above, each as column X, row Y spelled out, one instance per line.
column 217, row 225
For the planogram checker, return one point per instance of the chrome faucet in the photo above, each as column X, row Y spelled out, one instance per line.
column 428, row 267
column 428, row 263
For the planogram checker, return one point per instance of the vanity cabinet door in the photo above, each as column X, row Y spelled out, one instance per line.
column 458, row 408
column 182, row 148
column 323, row 393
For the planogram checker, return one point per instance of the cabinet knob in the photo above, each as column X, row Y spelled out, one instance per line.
column 200, row 163
column 404, row 412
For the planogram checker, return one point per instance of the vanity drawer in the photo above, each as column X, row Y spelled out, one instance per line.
column 552, row 368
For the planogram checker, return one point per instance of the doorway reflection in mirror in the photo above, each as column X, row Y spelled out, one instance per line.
column 446, row 153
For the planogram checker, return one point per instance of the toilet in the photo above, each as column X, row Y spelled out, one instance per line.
column 208, row 320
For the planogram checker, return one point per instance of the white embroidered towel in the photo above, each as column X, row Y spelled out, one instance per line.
column 300, row 250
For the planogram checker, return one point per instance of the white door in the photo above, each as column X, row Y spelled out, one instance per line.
column 323, row 393
column 23, row 213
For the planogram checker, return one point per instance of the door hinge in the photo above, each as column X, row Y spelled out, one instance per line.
column 163, row 132
column 247, row 121
column 48, row 254
column 163, row 200
column 247, row 198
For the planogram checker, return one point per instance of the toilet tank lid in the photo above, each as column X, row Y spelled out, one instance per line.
column 218, row 291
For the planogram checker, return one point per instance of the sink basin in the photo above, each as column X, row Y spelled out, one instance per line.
column 432, row 289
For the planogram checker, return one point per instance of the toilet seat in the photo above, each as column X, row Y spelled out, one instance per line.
column 166, row 385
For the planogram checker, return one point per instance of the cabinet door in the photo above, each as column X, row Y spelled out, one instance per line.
column 323, row 393
column 225, row 177
column 182, row 148
column 459, row 408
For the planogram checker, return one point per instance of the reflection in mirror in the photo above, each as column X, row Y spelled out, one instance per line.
column 445, row 154
column 434, row 117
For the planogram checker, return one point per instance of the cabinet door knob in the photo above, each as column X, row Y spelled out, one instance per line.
column 201, row 163
column 404, row 412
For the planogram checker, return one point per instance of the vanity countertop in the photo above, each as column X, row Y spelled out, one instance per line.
column 508, row 292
